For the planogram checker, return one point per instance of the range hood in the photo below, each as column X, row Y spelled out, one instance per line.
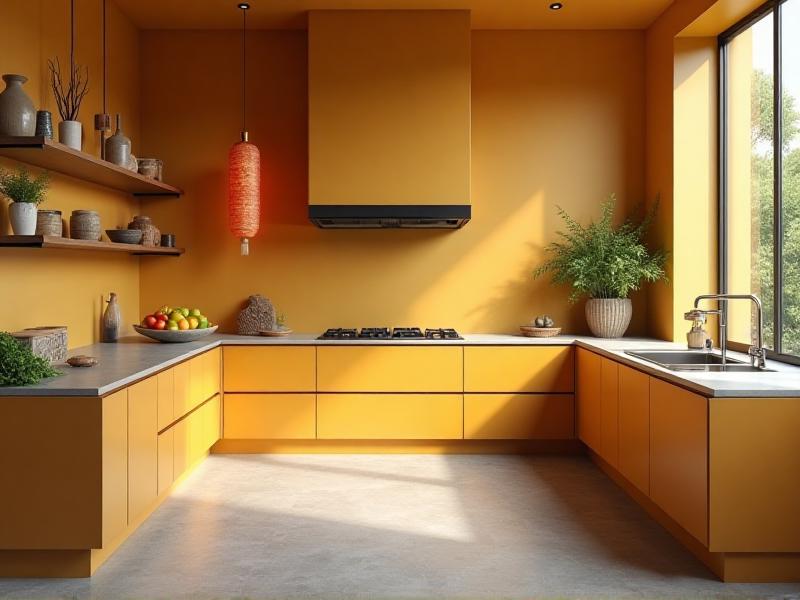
column 389, row 118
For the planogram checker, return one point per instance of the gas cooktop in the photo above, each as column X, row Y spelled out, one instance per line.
column 385, row 333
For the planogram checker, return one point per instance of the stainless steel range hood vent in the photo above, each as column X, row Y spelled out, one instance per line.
column 388, row 216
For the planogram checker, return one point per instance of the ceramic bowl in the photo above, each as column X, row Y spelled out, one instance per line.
column 124, row 236
column 165, row 335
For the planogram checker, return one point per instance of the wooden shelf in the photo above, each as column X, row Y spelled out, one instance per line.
column 45, row 153
column 62, row 243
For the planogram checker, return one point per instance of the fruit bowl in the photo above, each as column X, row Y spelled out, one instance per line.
column 171, row 336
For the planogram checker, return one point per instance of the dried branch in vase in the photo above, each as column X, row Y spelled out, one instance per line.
column 69, row 98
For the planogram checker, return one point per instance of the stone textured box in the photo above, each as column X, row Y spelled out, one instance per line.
column 49, row 342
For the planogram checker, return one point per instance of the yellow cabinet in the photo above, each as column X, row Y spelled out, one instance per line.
column 182, row 402
column 589, row 398
column 634, row 427
column 166, row 398
column 609, row 415
column 679, row 456
column 270, row 416
column 518, row 369
column 390, row 369
column 142, row 446
column 519, row 416
column 115, row 465
column 211, row 372
column 195, row 435
column 389, row 416
column 211, row 422
column 197, row 381
column 180, row 448
column 166, row 450
column 269, row 369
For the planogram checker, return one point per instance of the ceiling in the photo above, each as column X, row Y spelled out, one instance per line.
column 486, row 14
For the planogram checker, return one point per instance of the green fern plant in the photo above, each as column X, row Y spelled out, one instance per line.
column 601, row 260
column 19, row 186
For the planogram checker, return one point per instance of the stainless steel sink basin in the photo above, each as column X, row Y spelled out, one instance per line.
column 687, row 360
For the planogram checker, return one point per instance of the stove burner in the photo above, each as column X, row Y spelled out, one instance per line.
column 339, row 334
column 374, row 333
column 442, row 334
column 407, row 333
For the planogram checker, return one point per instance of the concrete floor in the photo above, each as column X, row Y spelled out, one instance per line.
column 397, row 526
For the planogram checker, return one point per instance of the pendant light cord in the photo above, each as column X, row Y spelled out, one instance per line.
column 244, row 70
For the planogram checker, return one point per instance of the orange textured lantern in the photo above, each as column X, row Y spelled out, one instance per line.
column 244, row 170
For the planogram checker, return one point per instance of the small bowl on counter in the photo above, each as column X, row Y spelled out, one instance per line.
column 124, row 236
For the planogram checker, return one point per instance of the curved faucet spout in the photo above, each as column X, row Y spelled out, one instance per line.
column 757, row 353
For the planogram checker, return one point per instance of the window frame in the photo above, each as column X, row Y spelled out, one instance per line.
column 769, row 7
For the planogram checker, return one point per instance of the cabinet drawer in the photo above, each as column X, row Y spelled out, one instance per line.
column 142, row 446
column 269, row 369
column 212, row 421
column 518, row 369
column 270, row 416
column 182, row 401
column 166, row 451
column 389, row 416
column 519, row 416
column 211, row 372
column 390, row 369
column 166, row 398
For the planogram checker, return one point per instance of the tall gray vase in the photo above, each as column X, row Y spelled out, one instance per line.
column 118, row 147
column 17, row 113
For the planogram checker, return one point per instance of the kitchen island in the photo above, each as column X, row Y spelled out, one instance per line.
column 714, row 457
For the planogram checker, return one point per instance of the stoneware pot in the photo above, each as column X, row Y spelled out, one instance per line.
column 17, row 113
column 118, row 147
column 69, row 134
column 23, row 218
column 608, row 317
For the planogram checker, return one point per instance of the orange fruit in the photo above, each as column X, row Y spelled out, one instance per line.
column 183, row 324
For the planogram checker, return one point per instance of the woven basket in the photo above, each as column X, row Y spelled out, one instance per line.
column 608, row 317
column 539, row 332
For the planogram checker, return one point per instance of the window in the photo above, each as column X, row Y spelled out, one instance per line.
column 760, row 175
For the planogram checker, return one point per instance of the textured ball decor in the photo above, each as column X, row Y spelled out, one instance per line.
column 257, row 316
column 244, row 191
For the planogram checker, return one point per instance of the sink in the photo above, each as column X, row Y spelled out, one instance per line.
column 687, row 360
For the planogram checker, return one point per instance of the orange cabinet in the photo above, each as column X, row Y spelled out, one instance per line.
column 166, row 451
column 270, row 416
column 518, row 416
column 634, row 427
column 269, row 368
column 389, row 416
column 679, row 456
column 548, row 369
column 166, row 398
column 115, row 465
column 589, row 398
column 142, row 446
column 609, row 411
column 390, row 369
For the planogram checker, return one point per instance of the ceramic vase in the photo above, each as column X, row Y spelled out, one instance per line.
column 69, row 134
column 23, row 218
column 112, row 319
column 44, row 124
column 118, row 147
column 17, row 114
column 608, row 317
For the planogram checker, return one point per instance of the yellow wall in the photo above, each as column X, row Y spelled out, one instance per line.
column 557, row 118
column 51, row 287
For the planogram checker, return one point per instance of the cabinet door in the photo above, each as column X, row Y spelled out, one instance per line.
column 115, row 465
column 519, row 416
column 389, row 416
column 634, row 427
column 197, row 381
column 519, row 369
column 679, row 456
column 211, row 422
column 589, row 399
column 211, row 372
column 270, row 416
column 180, row 452
column 196, row 438
column 166, row 450
column 609, row 403
column 166, row 398
column 142, row 446
column 269, row 369
column 182, row 403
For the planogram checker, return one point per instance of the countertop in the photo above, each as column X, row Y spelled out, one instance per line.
column 134, row 358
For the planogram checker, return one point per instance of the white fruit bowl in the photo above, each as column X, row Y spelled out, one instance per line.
column 172, row 337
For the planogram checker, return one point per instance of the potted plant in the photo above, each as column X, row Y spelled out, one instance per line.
column 605, row 263
column 25, row 193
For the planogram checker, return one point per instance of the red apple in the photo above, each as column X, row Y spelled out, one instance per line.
column 149, row 321
column 162, row 317
column 159, row 324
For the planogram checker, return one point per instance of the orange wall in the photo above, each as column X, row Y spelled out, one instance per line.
column 49, row 287
column 557, row 118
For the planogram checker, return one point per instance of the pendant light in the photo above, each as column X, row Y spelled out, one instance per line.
column 244, row 168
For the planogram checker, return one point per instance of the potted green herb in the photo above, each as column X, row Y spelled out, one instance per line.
column 25, row 193
column 604, row 263
column 20, row 366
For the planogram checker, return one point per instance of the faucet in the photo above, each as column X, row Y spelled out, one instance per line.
column 756, row 353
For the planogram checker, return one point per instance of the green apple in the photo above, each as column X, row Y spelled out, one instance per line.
column 176, row 315
column 172, row 325
column 195, row 312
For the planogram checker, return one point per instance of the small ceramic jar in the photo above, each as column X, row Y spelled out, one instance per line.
column 149, row 167
column 48, row 222
column 151, row 236
column 84, row 225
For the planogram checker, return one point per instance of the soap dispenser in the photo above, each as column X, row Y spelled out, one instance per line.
column 697, row 338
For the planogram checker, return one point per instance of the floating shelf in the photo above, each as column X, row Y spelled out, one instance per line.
column 42, row 152
column 62, row 243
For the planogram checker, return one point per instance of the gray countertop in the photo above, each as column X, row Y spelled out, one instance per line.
column 134, row 358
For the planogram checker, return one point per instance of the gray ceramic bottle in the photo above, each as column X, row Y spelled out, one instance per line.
column 118, row 147
column 112, row 320
column 17, row 113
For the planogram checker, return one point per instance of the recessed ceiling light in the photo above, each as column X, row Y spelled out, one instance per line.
column 556, row 6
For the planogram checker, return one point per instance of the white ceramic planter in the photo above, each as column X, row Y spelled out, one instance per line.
column 608, row 317
column 69, row 134
column 23, row 218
